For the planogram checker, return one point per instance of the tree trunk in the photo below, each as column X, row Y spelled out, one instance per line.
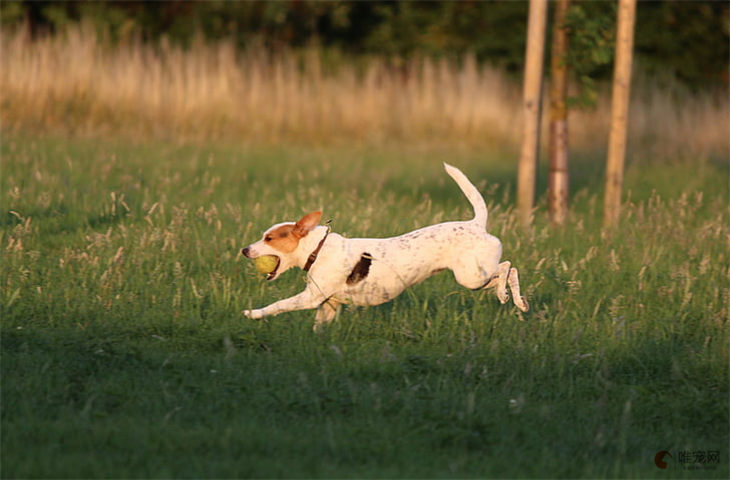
column 532, row 100
column 558, row 143
column 619, row 112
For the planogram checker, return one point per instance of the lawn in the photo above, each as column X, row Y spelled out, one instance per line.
column 124, row 353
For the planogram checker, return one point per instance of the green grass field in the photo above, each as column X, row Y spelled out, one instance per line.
column 124, row 353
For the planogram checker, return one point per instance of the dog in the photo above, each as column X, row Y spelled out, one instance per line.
column 371, row 271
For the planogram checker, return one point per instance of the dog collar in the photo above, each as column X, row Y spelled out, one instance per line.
column 313, row 256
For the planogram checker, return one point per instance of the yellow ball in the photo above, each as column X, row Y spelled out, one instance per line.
column 266, row 264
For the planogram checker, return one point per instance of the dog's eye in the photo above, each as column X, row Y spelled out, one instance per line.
column 267, row 238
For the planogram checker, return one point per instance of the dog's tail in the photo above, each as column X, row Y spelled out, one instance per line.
column 472, row 194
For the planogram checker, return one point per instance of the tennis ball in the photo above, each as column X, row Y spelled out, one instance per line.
column 266, row 263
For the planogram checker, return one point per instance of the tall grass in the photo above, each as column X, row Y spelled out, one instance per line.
column 78, row 81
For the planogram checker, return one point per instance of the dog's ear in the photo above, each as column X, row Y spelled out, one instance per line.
column 307, row 223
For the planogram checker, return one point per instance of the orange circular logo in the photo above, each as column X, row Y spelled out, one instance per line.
column 659, row 459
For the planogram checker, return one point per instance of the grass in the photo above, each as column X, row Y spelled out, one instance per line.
column 126, row 195
column 124, row 353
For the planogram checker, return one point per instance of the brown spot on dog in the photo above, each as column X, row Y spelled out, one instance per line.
column 361, row 269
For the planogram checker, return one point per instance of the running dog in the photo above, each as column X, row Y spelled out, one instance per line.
column 371, row 271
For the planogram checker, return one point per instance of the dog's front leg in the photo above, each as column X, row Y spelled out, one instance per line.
column 303, row 301
column 325, row 314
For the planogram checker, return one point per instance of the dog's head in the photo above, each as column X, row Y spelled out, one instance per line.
column 284, row 241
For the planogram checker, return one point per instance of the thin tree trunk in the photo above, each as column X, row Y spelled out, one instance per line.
column 558, row 143
column 619, row 112
column 527, row 167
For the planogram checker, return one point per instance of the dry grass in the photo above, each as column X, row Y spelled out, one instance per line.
column 81, row 83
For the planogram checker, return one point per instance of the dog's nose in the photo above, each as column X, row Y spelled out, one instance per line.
column 245, row 252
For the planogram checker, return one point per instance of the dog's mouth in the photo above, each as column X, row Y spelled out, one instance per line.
column 267, row 265
column 272, row 274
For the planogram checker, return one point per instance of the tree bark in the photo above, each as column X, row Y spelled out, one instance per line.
column 619, row 112
column 532, row 99
column 558, row 143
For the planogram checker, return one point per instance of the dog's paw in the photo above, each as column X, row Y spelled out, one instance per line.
column 503, row 297
column 254, row 314
column 523, row 304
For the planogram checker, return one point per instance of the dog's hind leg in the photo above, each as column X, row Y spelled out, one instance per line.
column 514, row 286
column 505, row 275
column 499, row 281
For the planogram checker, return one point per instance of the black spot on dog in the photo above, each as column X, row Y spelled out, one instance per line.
column 361, row 269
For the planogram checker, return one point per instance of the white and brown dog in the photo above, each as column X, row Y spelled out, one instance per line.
column 371, row 271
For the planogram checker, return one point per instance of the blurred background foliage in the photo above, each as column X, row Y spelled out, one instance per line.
column 687, row 41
